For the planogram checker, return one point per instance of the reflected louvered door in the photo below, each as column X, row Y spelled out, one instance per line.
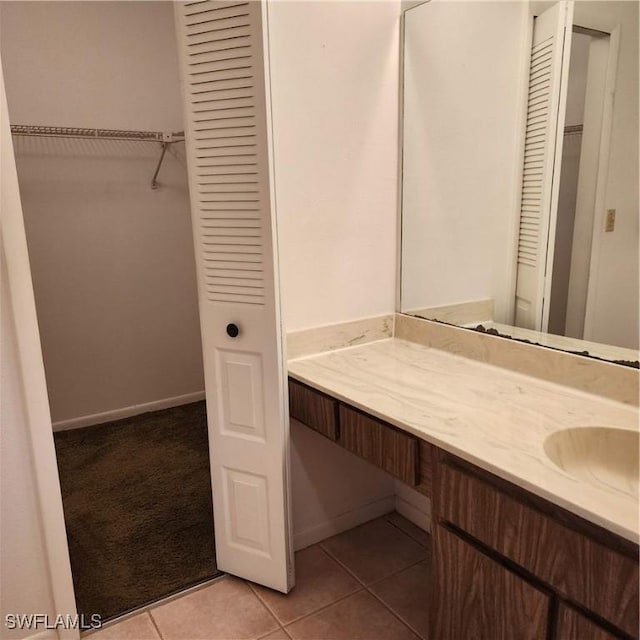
column 225, row 91
column 547, row 91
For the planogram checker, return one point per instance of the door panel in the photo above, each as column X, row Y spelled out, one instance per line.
column 548, row 75
column 241, row 402
column 223, row 70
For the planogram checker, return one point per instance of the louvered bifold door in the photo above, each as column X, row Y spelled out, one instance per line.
column 546, row 104
column 225, row 91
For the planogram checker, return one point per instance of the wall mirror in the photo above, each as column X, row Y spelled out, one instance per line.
column 520, row 171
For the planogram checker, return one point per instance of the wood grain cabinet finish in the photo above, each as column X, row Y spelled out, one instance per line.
column 426, row 458
column 382, row 445
column 397, row 452
column 360, row 435
column 575, row 566
column 572, row 625
column 313, row 409
column 479, row 599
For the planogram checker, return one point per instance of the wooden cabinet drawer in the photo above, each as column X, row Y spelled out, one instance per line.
column 572, row 625
column 313, row 409
column 382, row 445
column 360, row 435
column 580, row 569
column 400, row 454
column 477, row 597
column 426, row 460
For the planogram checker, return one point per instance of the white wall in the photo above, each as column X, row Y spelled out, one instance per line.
column 334, row 85
column 112, row 260
column 24, row 579
column 463, row 83
column 612, row 312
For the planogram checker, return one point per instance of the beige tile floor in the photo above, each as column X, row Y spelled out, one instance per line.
column 369, row 583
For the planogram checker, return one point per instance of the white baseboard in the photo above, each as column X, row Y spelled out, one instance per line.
column 414, row 506
column 127, row 412
column 342, row 522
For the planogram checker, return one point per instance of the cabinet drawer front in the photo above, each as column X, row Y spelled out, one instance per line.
column 361, row 435
column 572, row 625
column 396, row 452
column 580, row 569
column 478, row 598
column 425, row 463
column 313, row 409
column 400, row 455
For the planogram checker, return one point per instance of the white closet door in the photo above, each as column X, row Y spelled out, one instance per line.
column 548, row 76
column 227, row 120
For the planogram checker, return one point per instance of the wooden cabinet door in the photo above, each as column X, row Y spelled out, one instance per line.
column 572, row 625
column 573, row 565
column 478, row 599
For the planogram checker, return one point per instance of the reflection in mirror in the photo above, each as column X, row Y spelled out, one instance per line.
column 520, row 171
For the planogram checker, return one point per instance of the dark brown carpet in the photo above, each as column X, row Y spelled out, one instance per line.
column 138, row 510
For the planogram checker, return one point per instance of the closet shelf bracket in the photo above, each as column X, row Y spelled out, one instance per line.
column 167, row 140
column 154, row 180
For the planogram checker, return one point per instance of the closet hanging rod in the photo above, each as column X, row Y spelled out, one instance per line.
column 95, row 134
column 573, row 128
column 165, row 138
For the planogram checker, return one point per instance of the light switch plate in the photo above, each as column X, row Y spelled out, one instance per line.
column 610, row 224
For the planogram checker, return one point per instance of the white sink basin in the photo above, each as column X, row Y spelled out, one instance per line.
column 598, row 455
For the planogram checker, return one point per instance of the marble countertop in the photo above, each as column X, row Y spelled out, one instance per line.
column 494, row 418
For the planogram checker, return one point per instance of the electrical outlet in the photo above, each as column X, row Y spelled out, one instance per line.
column 610, row 224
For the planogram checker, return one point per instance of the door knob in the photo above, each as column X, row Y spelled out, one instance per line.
column 233, row 330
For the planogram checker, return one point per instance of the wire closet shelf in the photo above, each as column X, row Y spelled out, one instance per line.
column 163, row 137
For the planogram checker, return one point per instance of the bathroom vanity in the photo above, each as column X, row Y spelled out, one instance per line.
column 522, row 548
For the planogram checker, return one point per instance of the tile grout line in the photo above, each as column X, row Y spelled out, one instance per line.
column 264, row 603
column 284, row 625
column 272, row 632
column 406, row 533
column 360, row 589
column 280, row 628
column 155, row 624
column 397, row 615
column 266, row 607
column 394, row 574
column 363, row 584
column 344, row 566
